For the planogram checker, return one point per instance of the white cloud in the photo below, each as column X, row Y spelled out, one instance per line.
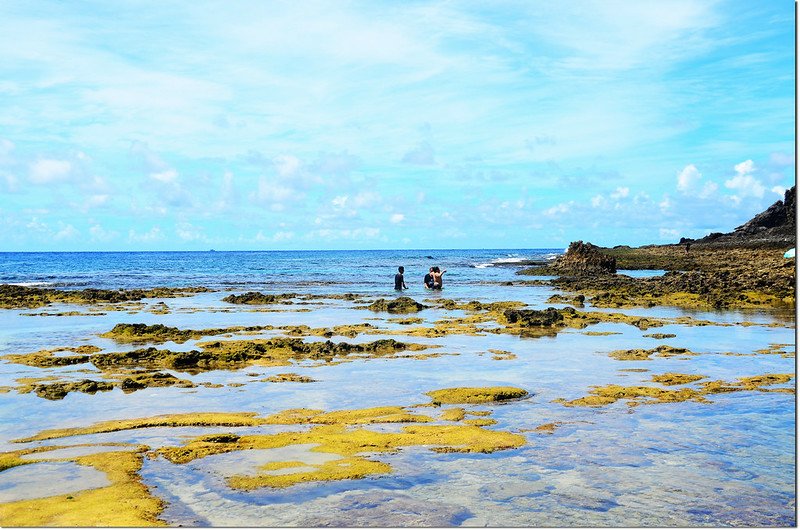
column 665, row 204
column 668, row 233
column 422, row 155
column 744, row 183
column 689, row 183
column 598, row 201
column 188, row 232
column 621, row 193
column 283, row 236
column 780, row 190
column 562, row 208
column 66, row 232
column 48, row 171
column 397, row 218
column 688, row 177
column 154, row 234
column 270, row 191
column 286, row 165
column 340, row 201
column 166, row 176
column 745, row 167
column 98, row 233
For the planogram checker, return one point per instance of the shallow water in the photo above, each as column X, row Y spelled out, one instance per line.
column 730, row 462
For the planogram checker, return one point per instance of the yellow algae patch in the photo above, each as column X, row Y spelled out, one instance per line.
column 199, row 419
column 778, row 349
column 502, row 355
column 406, row 321
column 601, row 333
column 341, row 469
column 288, row 378
column 371, row 415
column 339, row 440
column 750, row 383
column 485, row 422
column 644, row 355
column 126, row 502
column 476, row 395
column 609, row 394
column 605, row 395
column 671, row 378
column 455, row 414
column 548, row 428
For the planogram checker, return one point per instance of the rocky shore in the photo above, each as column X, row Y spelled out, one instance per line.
column 742, row 269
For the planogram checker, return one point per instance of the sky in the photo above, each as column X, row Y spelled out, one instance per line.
column 271, row 125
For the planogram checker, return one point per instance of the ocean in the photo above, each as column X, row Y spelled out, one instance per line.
column 361, row 271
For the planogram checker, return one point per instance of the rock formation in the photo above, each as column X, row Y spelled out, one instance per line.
column 774, row 227
column 583, row 259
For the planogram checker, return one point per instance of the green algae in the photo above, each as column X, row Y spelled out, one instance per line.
column 476, row 395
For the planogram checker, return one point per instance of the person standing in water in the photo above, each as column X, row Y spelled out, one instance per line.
column 437, row 277
column 428, row 279
column 399, row 281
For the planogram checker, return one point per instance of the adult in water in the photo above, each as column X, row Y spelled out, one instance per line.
column 399, row 281
column 428, row 279
column 437, row 277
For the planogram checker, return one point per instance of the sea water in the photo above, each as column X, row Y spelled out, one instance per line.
column 730, row 462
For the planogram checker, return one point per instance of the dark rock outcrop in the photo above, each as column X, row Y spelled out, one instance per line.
column 774, row 227
column 584, row 259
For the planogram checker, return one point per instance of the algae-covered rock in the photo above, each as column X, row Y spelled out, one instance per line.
column 16, row 296
column 401, row 305
column 256, row 298
column 549, row 317
column 56, row 391
column 644, row 355
column 289, row 378
column 672, row 378
column 476, row 395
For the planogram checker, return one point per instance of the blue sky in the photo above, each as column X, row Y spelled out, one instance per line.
column 359, row 125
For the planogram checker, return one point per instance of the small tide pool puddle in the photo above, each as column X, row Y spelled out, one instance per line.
column 249, row 461
column 47, row 479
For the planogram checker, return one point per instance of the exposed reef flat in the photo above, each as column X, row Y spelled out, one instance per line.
column 705, row 278
column 20, row 297
column 637, row 395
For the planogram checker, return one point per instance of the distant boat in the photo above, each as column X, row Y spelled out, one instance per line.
column 789, row 253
